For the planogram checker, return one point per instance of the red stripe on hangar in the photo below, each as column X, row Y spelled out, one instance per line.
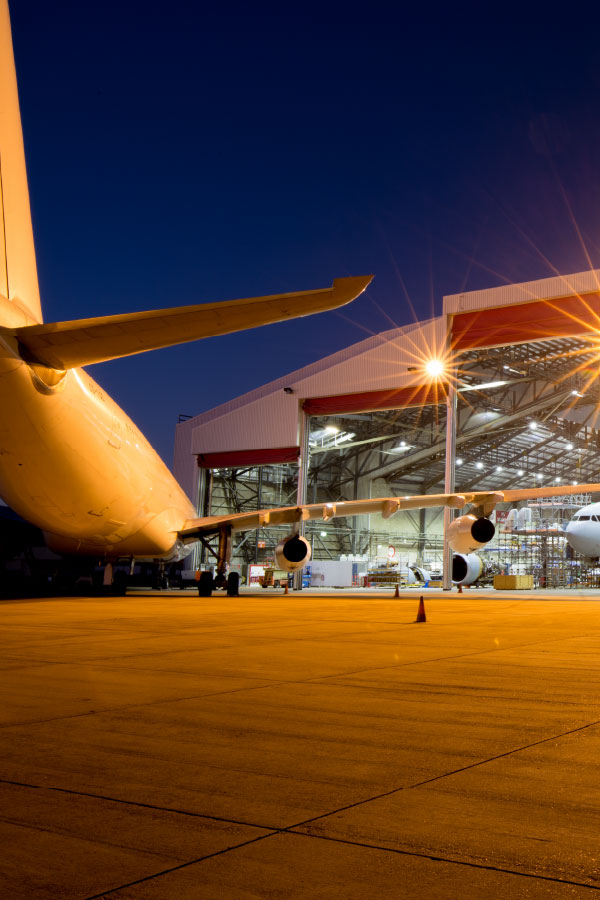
column 568, row 316
column 236, row 459
column 367, row 401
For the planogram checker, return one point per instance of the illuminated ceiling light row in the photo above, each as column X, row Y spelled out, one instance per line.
column 482, row 387
column 520, row 472
column 534, row 425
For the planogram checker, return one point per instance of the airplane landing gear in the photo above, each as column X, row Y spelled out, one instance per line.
column 205, row 584
column 233, row 584
column 221, row 581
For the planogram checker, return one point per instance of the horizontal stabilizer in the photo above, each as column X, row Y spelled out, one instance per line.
column 386, row 506
column 65, row 345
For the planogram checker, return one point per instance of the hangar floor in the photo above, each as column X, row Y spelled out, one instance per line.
column 301, row 746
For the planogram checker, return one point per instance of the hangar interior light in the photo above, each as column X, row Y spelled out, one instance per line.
column 400, row 448
column 434, row 368
column 488, row 385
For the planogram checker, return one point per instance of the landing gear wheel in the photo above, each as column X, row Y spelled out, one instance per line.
column 119, row 585
column 233, row 584
column 205, row 584
column 220, row 581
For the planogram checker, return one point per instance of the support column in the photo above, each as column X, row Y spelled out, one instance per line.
column 195, row 557
column 301, row 494
column 205, row 510
column 450, row 461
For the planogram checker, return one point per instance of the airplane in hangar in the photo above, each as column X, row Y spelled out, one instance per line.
column 74, row 464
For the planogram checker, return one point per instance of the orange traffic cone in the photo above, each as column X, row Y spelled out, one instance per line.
column 421, row 617
column 397, row 591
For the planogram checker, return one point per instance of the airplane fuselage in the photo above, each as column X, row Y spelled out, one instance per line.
column 73, row 463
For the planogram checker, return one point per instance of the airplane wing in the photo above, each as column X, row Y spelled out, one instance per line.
column 65, row 345
column 386, row 506
column 290, row 515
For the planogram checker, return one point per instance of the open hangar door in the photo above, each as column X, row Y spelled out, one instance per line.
column 527, row 415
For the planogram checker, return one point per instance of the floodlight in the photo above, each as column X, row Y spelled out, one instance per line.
column 434, row 368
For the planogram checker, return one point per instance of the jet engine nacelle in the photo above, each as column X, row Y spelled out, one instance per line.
column 466, row 569
column 292, row 553
column 468, row 533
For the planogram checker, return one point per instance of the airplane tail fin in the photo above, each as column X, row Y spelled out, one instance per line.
column 65, row 345
column 18, row 270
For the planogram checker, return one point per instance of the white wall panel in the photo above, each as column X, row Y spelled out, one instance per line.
column 542, row 289
column 270, row 421
column 184, row 462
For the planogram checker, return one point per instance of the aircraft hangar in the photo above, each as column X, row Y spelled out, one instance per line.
column 499, row 392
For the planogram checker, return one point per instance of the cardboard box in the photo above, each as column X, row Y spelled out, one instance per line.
column 513, row 582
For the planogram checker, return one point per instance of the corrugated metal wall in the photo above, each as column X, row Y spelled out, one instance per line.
column 543, row 289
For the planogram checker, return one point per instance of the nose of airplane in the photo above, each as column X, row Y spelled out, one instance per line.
column 580, row 539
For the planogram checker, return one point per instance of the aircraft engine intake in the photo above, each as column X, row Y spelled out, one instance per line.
column 466, row 568
column 468, row 533
column 292, row 553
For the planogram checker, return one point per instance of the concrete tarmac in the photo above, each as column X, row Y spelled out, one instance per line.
column 313, row 745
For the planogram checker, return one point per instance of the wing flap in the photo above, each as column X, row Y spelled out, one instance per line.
column 65, row 345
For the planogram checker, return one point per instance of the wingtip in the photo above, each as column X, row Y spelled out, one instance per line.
column 349, row 288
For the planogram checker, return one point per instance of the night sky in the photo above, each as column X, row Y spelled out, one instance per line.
column 187, row 152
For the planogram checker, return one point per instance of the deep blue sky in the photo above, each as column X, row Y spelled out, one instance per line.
column 188, row 152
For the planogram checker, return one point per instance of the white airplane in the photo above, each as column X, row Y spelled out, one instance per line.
column 583, row 531
column 75, row 465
